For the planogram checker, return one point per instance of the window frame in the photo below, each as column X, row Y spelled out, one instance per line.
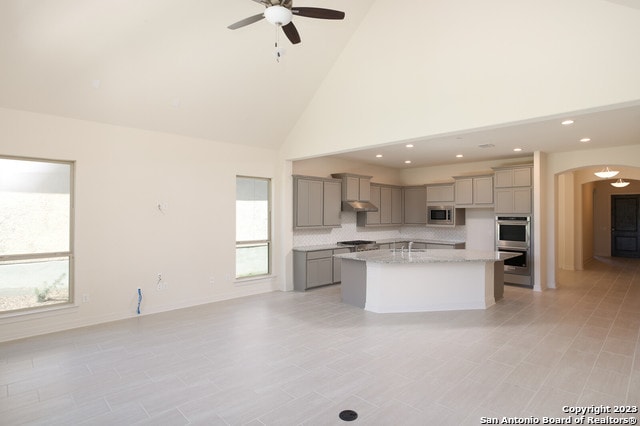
column 268, row 242
column 70, row 254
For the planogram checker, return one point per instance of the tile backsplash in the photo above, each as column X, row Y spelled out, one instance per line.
column 349, row 231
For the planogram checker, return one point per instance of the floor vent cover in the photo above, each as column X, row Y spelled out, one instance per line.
column 348, row 415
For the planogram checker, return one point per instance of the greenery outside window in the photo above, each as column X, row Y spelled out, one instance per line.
column 36, row 256
column 253, row 226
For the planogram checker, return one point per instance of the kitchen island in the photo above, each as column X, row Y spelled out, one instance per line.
column 387, row 281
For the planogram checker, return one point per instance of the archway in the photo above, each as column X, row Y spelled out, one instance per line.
column 583, row 213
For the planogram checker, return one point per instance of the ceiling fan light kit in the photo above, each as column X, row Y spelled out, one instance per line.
column 280, row 13
column 606, row 173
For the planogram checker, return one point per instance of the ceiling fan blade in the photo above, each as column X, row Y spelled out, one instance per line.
column 291, row 33
column 317, row 12
column 246, row 21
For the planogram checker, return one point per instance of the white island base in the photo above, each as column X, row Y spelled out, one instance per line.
column 386, row 287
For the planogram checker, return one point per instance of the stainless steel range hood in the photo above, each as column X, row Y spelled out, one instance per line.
column 358, row 206
column 356, row 191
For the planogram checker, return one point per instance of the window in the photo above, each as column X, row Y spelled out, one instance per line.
column 253, row 227
column 35, row 233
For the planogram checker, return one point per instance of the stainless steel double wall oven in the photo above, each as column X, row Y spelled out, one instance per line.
column 513, row 234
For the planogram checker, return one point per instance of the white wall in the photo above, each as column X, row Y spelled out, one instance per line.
column 586, row 252
column 453, row 66
column 122, row 241
column 566, row 219
column 584, row 214
column 625, row 158
column 325, row 166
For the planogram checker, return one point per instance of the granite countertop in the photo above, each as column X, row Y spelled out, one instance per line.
column 427, row 256
column 419, row 240
column 320, row 247
column 385, row 241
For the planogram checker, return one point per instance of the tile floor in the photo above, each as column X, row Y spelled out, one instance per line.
column 302, row 358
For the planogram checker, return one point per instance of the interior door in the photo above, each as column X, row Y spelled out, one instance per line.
column 625, row 225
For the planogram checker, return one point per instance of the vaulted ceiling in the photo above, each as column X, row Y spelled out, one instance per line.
column 174, row 66
column 167, row 65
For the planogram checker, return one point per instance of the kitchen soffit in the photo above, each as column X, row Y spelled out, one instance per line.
column 608, row 127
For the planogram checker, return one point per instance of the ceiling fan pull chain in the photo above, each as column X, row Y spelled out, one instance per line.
column 277, row 40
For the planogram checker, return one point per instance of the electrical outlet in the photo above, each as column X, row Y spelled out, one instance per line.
column 160, row 285
column 212, row 280
column 227, row 277
column 85, row 298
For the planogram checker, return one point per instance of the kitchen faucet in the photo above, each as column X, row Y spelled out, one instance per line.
column 410, row 244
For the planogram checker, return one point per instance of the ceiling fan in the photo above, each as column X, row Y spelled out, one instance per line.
column 280, row 12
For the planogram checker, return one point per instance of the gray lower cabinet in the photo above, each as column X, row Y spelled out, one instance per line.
column 316, row 268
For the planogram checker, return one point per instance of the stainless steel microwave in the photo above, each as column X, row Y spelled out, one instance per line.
column 444, row 215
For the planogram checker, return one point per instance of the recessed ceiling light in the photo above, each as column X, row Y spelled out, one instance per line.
column 409, row 145
column 459, row 156
column 567, row 122
column 585, row 140
column 378, row 155
column 517, row 149
column 407, row 162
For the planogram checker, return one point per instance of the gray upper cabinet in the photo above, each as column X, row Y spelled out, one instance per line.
column 354, row 187
column 513, row 190
column 474, row 191
column 513, row 200
column 389, row 201
column 513, row 177
column 332, row 196
column 371, row 218
column 415, row 205
column 309, row 203
column 316, row 202
column 396, row 206
column 440, row 193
